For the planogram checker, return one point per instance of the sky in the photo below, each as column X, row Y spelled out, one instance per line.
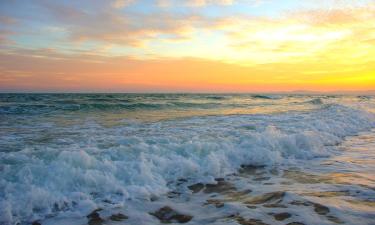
column 187, row 45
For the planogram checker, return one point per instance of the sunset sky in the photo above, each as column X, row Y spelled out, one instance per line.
column 187, row 45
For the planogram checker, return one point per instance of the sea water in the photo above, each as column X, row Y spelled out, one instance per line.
column 273, row 159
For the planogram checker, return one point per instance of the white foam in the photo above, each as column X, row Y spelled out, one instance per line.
column 139, row 160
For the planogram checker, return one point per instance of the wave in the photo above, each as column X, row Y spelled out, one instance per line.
column 261, row 96
column 315, row 101
column 142, row 160
column 41, row 108
column 270, row 97
column 216, row 97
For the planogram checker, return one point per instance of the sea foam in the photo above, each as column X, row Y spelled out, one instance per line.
column 75, row 174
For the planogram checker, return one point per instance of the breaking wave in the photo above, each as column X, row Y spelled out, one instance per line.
column 80, row 167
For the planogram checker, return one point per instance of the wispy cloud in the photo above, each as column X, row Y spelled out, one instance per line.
column 118, row 4
column 309, row 44
column 204, row 3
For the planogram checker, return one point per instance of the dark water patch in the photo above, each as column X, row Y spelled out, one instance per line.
column 118, row 217
column 221, row 186
column 181, row 181
column 316, row 101
column 94, row 218
column 24, row 98
column 238, row 195
column 320, row 209
column 195, row 188
column 53, row 108
column 261, row 178
column 251, row 170
column 216, row 97
column 250, row 221
column 275, row 205
column 364, row 97
column 265, row 198
column 282, row 216
column 248, row 127
column 262, row 97
column 301, row 203
column 169, row 215
column 194, row 105
column 43, row 107
column 334, row 219
column 173, row 194
column 217, row 203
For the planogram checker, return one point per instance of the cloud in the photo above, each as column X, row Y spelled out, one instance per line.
column 4, row 37
column 199, row 3
column 164, row 3
column 118, row 4
column 203, row 3
column 114, row 27
column 334, row 35
column 192, row 3
column 6, row 22
column 335, row 16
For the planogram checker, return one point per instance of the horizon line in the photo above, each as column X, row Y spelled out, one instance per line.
column 371, row 92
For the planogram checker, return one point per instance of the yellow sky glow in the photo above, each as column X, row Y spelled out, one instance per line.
column 312, row 49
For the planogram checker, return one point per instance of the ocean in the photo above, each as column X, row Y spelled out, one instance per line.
column 187, row 158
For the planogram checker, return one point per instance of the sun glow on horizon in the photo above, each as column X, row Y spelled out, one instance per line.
column 229, row 46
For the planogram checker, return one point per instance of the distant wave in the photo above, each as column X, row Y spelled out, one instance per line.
column 316, row 101
column 104, row 106
column 266, row 97
column 364, row 97
column 46, row 108
column 216, row 97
